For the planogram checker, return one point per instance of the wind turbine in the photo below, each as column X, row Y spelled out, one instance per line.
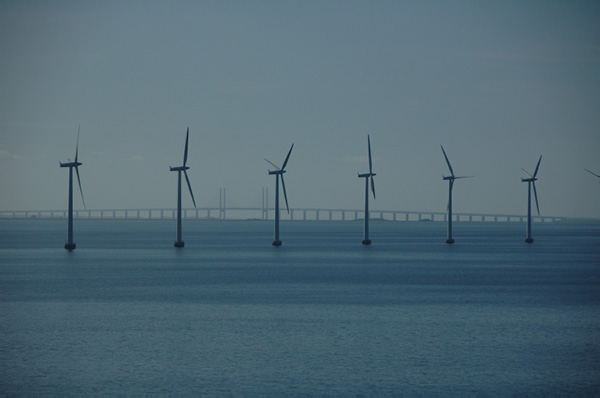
column 367, row 176
column 450, row 179
column 75, row 164
column 531, row 181
column 178, row 241
column 593, row 173
column 279, row 173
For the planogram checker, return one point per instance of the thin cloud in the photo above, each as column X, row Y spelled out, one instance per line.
column 8, row 155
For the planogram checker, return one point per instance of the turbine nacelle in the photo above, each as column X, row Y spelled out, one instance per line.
column 70, row 164
column 452, row 178
column 180, row 168
column 366, row 175
column 271, row 172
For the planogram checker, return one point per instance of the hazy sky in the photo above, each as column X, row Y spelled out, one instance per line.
column 497, row 83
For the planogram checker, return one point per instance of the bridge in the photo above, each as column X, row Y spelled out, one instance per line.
column 267, row 213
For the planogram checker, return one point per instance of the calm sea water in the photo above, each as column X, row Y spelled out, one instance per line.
column 128, row 313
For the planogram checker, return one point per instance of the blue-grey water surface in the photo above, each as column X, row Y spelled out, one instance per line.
column 126, row 312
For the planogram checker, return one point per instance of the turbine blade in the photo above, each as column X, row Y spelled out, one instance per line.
column 287, row 157
column 447, row 161
column 273, row 164
column 537, row 167
column 80, row 190
column 189, row 186
column 373, row 186
column 185, row 152
column 370, row 159
column 456, row 178
column 536, row 199
column 525, row 171
column 591, row 172
column 284, row 194
column 77, row 145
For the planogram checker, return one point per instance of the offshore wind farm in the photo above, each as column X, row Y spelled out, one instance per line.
column 278, row 173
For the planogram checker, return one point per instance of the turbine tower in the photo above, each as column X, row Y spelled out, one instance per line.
column 184, row 168
column 367, row 176
column 70, row 245
column 531, row 181
column 279, row 173
column 450, row 179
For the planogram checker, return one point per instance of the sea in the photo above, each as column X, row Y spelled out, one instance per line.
column 230, row 314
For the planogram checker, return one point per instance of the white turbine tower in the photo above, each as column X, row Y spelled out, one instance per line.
column 367, row 176
column 70, row 245
column 184, row 168
column 450, row 179
column 279, row 173
column 531, row 181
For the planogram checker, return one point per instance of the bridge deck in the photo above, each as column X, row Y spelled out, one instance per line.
column 301, row 214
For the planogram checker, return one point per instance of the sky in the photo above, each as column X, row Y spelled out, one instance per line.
column 497, row 83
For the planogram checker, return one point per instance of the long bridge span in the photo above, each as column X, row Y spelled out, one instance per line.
column 264, row 213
